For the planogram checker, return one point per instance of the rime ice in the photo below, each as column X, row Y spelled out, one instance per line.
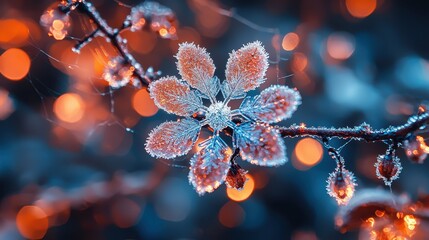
column 258, row 142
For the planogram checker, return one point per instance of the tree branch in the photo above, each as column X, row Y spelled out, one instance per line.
column 362, row 132
column 112, row 34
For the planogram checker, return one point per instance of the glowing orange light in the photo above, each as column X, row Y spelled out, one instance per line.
column 143, row 104
column 14, row 64
column 410, row 222
column 231, row 215
column 163, row 32
column 13, row 32
column 309, row 151
column 290, row 41
column 299, row 62
column 361, row 8
column 69, row 107
column 340, row 45
column 243, row 194
column 32, row 222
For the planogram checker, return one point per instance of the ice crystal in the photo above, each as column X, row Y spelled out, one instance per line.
column 258, row 142
column 341, row 185
column 388, row 167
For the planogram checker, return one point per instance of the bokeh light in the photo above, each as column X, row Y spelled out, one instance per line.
column 143, row 104
column 340, row 45
column 125, row 212
column 308, row 152
column 290, row 41
column 299, row 62
column 14, row 64
column 243, row 194
column 6, row 104
column 361, row 8
column 13, row 32
column 32, row 222
column 231, row 215
column 69, row 107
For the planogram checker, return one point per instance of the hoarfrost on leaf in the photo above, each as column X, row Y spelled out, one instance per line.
column 260, row 144
column 195, row 66
column 173, row 139
column 209, row 167
column 175, row 96
column 274, row 104
column 245, row 69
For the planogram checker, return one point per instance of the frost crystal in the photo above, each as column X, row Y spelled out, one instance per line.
column 341, row 185
column 258, row 142
column 218, row 116
column 388, row 167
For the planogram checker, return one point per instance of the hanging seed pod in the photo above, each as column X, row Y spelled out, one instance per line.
column 341, row 185
column 416, row 149
column 236, row 177
column 388, row 167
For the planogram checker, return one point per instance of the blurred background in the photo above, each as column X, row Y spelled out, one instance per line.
column 72, row 158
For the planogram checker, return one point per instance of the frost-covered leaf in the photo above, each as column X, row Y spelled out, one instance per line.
column 210, row 166
column 274, row 104
column 173, row 139
column 260, row 144
column 245, row 69
column 208, row 86
column 196, row 67
column 174, row 96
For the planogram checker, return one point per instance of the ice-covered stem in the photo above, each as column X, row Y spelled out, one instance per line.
column 112, row 34
column 361, row 132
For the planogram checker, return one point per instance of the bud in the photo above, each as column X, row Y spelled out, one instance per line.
column 117, row 73
column 236, row 177
column 388, row 167
column 56, row 22
column 341, row 185
column 416, row 149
